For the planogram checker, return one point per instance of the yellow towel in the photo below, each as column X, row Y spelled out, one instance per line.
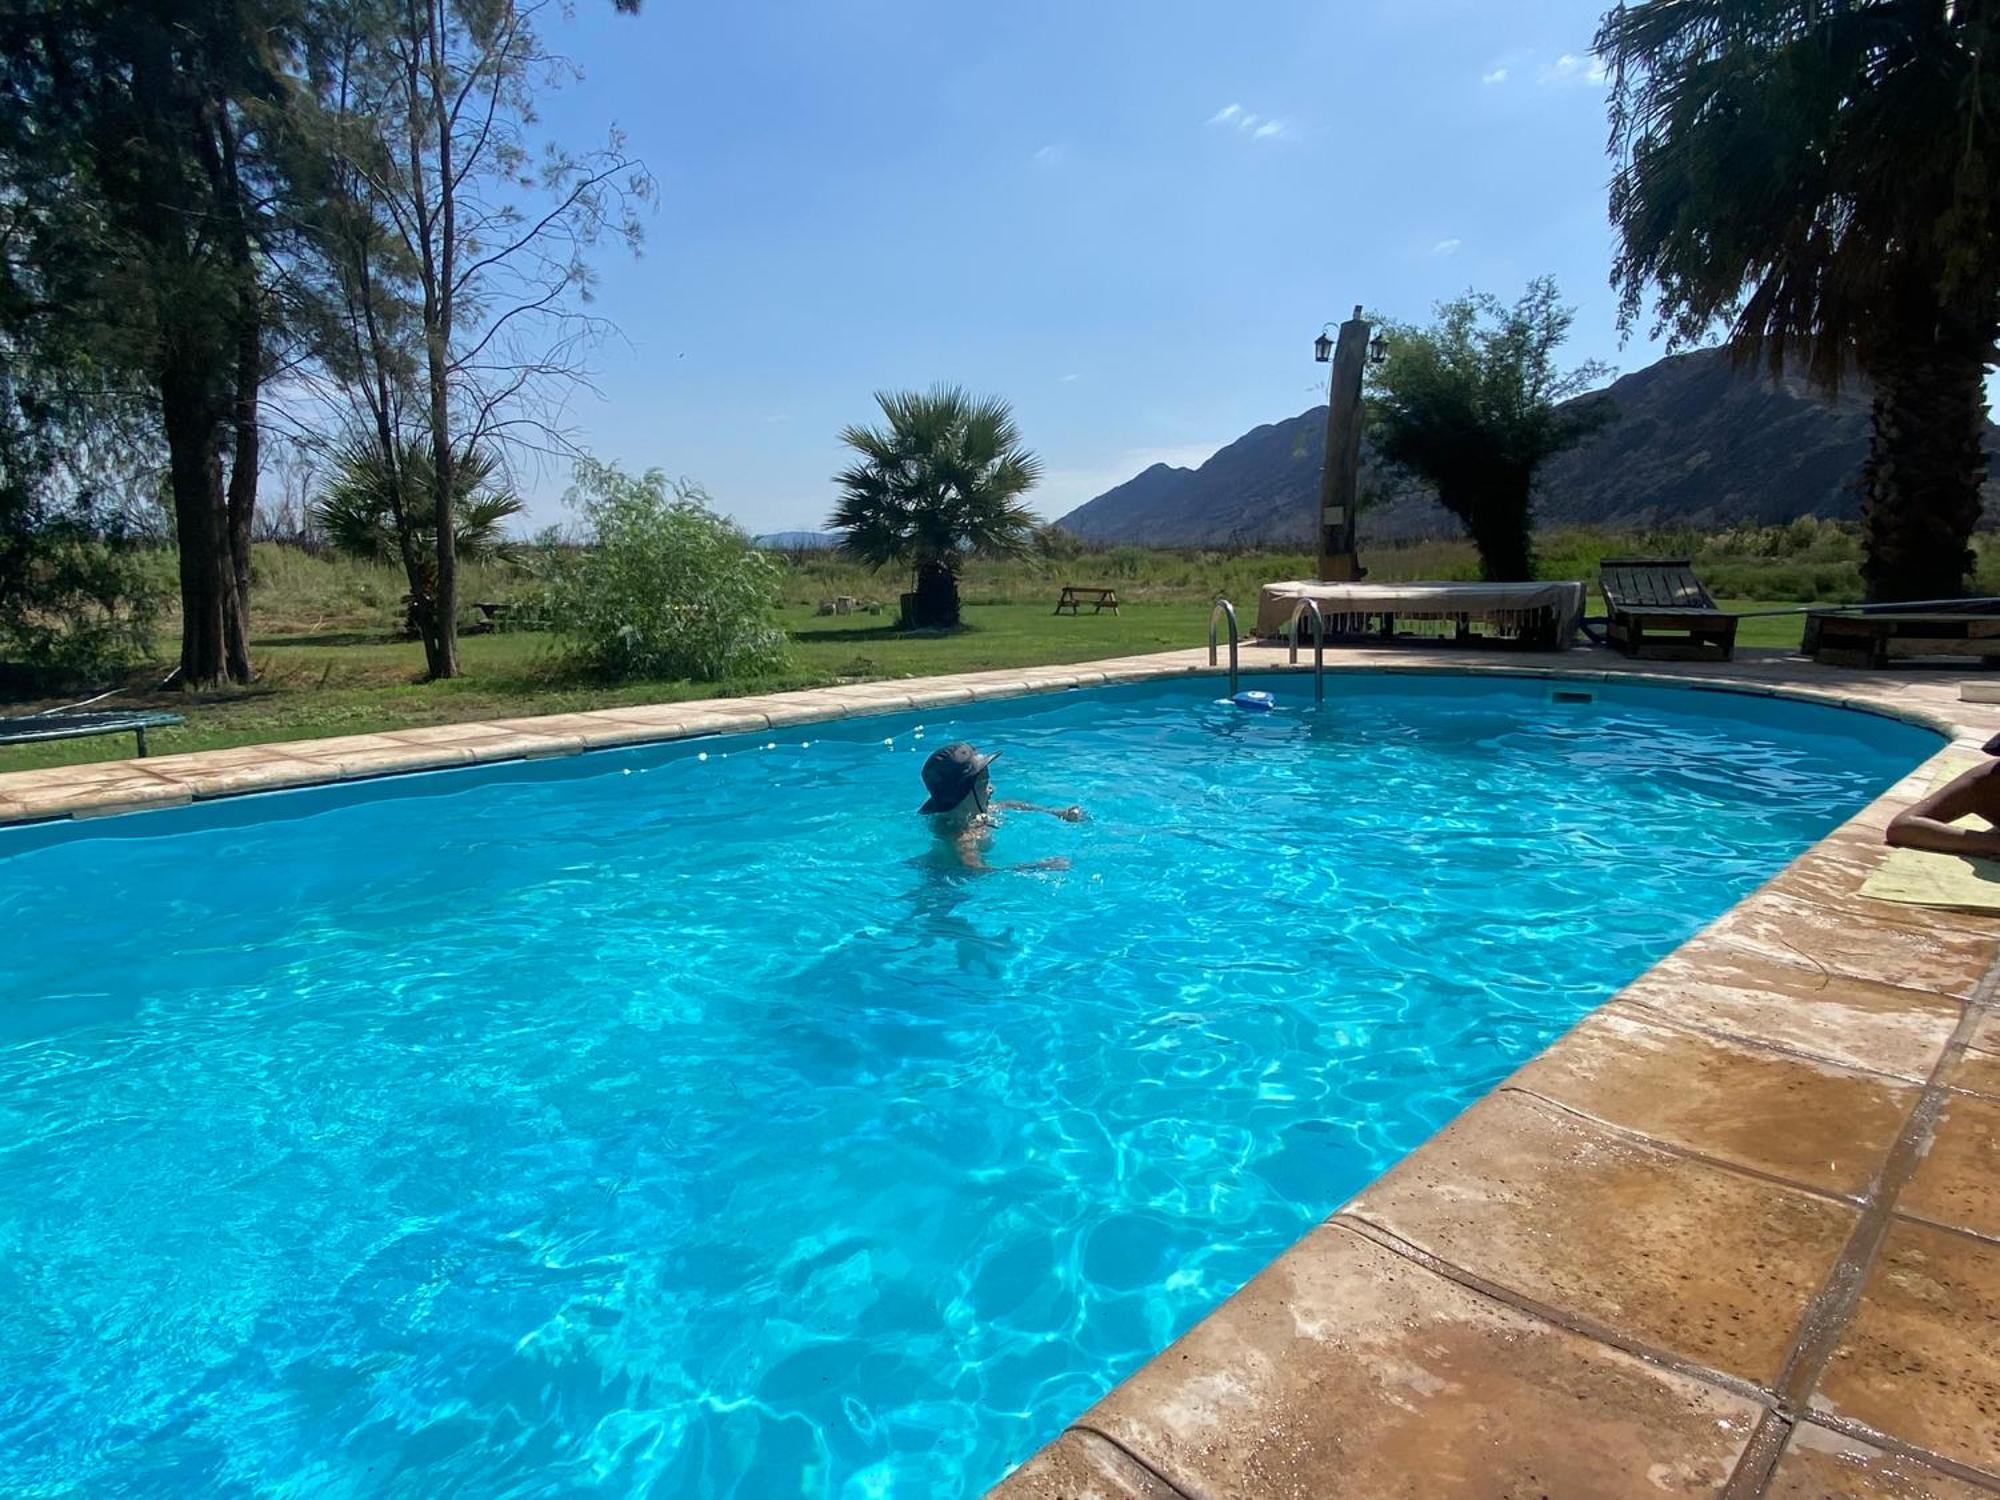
column 1917, row 877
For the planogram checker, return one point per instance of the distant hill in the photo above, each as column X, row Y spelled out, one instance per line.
column 1695, row 442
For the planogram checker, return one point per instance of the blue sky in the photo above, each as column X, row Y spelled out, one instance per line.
column 1130, row 220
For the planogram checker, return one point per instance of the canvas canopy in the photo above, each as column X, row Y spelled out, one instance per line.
column 1491, row 602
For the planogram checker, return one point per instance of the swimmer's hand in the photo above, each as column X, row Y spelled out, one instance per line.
column 1057, row 863
column 1067, row 814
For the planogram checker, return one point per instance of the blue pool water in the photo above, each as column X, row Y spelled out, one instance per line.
column 668, row 1122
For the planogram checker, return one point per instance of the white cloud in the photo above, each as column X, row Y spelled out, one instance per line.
column 1050, row 155
column 1446, row 247
column 1574, row 67
column 1498, row 75
column 1247, row 123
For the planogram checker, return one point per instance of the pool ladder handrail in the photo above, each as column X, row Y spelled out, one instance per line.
column 1223, row 608
column 1305, row 607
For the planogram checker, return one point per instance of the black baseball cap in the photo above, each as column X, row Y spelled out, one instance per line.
column 951, row 773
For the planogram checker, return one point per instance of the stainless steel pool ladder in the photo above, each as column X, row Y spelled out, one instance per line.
column 1223, row 608
column 1311, row 607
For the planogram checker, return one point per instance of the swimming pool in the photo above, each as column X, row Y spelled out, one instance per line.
column 668, row 1121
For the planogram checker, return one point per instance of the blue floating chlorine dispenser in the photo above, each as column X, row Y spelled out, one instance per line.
column 1256, row 700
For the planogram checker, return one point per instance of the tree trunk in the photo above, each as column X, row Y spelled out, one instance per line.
column 440, row 274
column 226, row 174
column 208, row 584
column 240, row 506
column 937, row 597
column 1921, row 484
column 1498, row 520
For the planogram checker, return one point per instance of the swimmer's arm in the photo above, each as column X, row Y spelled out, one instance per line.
column 1067, row 814
column 1929, row 823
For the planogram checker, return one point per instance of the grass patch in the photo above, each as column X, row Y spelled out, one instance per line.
column 329, row 683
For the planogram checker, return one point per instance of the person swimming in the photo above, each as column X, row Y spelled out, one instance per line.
column 1931, row 822
column 961, row 806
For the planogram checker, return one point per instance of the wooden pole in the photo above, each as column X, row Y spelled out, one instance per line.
column 1340, row 480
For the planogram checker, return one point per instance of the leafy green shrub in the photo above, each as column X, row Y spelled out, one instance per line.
column 664, row 587
column 77, row 605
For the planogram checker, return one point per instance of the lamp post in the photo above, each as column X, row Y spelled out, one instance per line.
column 1340, row 479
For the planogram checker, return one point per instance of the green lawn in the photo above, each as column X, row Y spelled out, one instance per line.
column 353, row 682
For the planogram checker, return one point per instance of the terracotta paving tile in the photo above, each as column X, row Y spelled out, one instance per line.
column 377, row 754
column 1856, row 843
column 589, row 730
column 1978, row 1071
column 491, row 742
column 177, row 766
column 1344, row 1369
column 1958, row 1181
column 272, row 773
column 24, row 784
column 665, row 719
column 1813, row 1123
column 938, row 695
column 1819, row 1464
column 981, row 691
column 1704, row 1263
column 870, row 698
column 721, row 721
column 1832, row 875
column 1745, row 993
column 776, row 709
column 1918, row 1362
column 1081, row 1466
column 1947, row 961
column 101, row 788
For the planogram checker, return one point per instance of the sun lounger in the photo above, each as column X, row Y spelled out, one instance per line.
column 1657, row 607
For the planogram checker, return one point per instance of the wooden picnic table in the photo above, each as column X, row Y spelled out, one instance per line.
column 1075, row 595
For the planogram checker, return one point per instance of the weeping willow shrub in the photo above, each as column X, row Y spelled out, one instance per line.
column 662, row 587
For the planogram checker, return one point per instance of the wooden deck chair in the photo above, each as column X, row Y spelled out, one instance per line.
column 1657, row 607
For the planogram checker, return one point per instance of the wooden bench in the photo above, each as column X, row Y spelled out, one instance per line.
column 31, row 728
column 1075, row 595
column 1850, row 638
column 1657, row 607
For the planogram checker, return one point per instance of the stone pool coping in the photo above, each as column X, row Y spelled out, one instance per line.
column 1737, row 1233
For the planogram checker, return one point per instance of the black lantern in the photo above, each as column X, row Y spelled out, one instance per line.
column 1322, row 347
column 1378, row 349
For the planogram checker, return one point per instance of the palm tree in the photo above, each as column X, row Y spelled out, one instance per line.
column 941, row 481
column 357, row 510
column 1825, row 175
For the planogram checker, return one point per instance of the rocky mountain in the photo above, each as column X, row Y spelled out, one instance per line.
column 1695, row 441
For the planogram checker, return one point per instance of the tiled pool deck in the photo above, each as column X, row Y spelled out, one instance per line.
column 1736, row 1234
